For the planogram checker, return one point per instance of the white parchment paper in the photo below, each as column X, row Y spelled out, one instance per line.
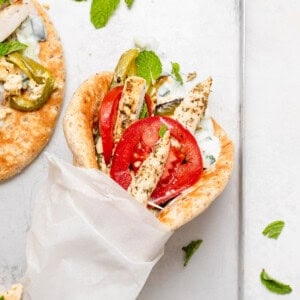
column 89, row 239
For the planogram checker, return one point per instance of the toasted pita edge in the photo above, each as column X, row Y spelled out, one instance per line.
column 193, row 201
column 80, row 115
column 17, row 150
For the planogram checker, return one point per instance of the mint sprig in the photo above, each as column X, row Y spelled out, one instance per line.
column 176, row 72
column 190, row 249
column 274, row 285
column 162, row 130
column 274, row 229
column 148, row 66
column 102, row 10
column 3, row 2
column 11, row 46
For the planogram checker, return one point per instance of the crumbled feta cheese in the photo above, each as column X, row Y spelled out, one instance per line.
column 13, row 84
column 35, row 90
column 5, row 69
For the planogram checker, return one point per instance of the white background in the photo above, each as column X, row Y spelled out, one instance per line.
column 203, row 36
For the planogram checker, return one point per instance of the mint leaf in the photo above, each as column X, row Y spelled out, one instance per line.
column 273, row 285
column 190, row 249
column 129, row 3
column 274, row 229
column 175, row 71
column 162, row 130
column 2, row 297
column 144, row 111
column 101, row 11
column 3, row 2
column 148, row 66
column 11, row 46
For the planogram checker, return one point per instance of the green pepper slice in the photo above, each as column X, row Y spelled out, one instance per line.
column 126, row 67
column 39, row 74
column 168, row 108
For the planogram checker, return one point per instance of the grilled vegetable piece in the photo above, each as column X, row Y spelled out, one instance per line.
column 168, row 108
column 39, row 74
column 126, row 67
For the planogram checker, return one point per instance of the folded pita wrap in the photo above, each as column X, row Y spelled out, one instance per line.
column 78, row 121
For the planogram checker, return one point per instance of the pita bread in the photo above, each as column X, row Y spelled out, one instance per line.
column 78, row 121
column 197, row 198
column 25, row 134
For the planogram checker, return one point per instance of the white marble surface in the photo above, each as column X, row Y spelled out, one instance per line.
column 272, row 144
column 201, row 36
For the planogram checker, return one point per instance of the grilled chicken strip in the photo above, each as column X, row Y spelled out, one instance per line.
column 192, row 109
column 130, row 104
column 145, row 180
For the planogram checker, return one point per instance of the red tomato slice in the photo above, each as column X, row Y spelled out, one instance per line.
column 184, row 164
column 107, row 119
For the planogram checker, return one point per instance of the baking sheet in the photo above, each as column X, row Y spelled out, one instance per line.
column 202, row 36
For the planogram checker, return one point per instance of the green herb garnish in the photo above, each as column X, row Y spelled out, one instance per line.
column 162, row 130
column 273, row 285
column 190, row 249
column 3, row 2
column 144, row 111
column 10, row 47
column 148, row 66
column 129, row 3
column 274, row 229
column 176, row 72
column 101, row 11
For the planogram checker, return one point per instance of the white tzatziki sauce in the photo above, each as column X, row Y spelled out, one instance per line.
column 209, row 144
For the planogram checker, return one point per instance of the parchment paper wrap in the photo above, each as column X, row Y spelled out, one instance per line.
column 89, row 239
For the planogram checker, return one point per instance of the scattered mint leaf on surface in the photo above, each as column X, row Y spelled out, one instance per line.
column 2, row 297
column 148, row 66
column 129, row 3
column 190, row 249
column 144, row 111
column 11, row 46
column 101, row 11
column 176, row 72
column 162, row 130
column 274, row 229
column 273, row 285
column 4, row 2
